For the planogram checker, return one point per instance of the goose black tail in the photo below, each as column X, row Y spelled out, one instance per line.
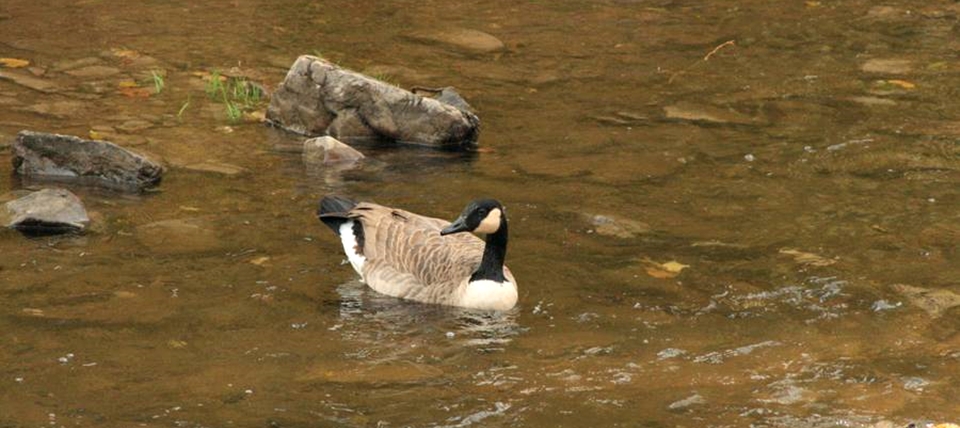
column 333, row 211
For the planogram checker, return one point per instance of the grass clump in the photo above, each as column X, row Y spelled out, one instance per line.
column 237, row 94
column 158, row 82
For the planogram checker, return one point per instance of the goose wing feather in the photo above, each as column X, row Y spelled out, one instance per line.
column 407, row 257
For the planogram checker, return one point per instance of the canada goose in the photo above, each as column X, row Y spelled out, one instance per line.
column 426, row 259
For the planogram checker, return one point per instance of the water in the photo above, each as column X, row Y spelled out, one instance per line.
column 807, row 173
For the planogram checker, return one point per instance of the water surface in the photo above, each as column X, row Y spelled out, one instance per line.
column 807, row 174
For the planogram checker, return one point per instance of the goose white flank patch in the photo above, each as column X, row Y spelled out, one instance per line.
column 426, row 259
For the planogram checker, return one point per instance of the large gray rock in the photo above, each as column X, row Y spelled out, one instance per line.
column 68, row 158
column 329, row 151
column 316, row 93
column 45, row 212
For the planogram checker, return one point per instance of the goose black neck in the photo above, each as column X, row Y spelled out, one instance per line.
column 491, row 266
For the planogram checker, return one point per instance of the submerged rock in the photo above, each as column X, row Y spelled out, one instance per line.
column 934, row 301
column 463, row 39
column 68, row 158
column 180, row 236
column 30, row 82
column 46, row 212
column 329, row 151
column 618, row 227
column 707, row 114
column 887, row 66
column 226, row 169
column 316, row 92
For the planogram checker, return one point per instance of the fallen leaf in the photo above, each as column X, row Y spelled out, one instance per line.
column 255, row 116
column 124, row 53
column 94, row 135
column 808, row 259
column 664, row 270
column 33, row 312
column 176, row 344
column 127, row 84
column 14, row 62
column 259, row 261
column 902, row 83
column 136, row 92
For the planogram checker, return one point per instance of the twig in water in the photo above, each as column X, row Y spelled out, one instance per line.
column 720, row 46
column 705, row 58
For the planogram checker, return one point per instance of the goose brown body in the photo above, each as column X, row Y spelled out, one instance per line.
column 404, row 255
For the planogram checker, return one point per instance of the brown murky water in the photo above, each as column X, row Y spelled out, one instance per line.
column 808, row 175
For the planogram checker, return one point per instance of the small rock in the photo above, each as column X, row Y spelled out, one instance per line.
column 46, row 212
column 30, row 82
column 94, row 72
column 329, row 151
column 217, row 168
column 464, row 39
column 887, row 66
column 181, row 236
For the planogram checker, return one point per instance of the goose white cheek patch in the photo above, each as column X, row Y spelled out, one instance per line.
column 490, row 223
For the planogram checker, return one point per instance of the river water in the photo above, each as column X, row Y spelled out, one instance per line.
column 801, row 159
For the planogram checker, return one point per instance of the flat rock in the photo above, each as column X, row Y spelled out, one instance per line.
column 887, row 66
column 94, row 72
column 216, row 168
column 316, row 92
column 28, row 81
column 68, row 158
column 46, row 212
column 463, row 39
column 934, row 301
column 329, row 151
column 180, row 236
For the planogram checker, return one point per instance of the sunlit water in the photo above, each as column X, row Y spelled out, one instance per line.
column 806, row 173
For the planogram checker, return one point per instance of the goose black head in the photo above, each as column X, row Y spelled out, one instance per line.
column 480, row 216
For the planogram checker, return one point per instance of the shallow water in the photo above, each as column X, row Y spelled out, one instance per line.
column 809, row 184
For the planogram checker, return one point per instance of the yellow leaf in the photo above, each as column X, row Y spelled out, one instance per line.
column 127, row 84
column 14, row 62
column 902, row 83
column 176, row 344
column 664, row 270
column 259, row 261
column 805, row 258
column 94, row 135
